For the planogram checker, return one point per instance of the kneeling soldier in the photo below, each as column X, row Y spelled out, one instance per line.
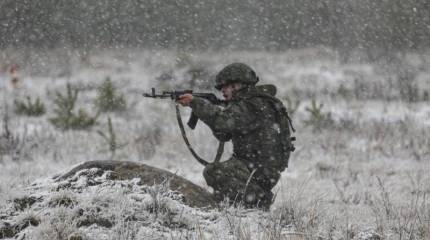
column 259, row 127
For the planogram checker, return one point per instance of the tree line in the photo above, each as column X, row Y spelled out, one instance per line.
column 199, row 24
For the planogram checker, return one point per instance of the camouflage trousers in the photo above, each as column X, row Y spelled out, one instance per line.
column 232, row 179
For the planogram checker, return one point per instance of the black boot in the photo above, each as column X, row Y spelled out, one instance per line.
column 266, row 201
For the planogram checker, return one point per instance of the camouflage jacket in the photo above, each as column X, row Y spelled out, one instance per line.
column 250, row 123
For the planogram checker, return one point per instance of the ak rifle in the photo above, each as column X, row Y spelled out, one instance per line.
column 174, row 95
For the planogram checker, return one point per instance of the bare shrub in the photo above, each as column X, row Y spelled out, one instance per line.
column 233, row 218
column 26, row 219
column 21, row 222
column 59, row 226
column 163, row 207
column 341, row 186
column 383, row 136
column 408, row 220
column 93, row 215
column 158, row 203
column 125, row 230
column 9, row 142
column 12, row 144
column 301, row 214
column 110, row 139
column 23, row 202
column 126, row 219
column 63, row 199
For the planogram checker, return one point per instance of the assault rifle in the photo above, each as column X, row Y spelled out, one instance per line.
column 174, row 95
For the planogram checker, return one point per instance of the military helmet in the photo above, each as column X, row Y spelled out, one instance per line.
column 235, row 73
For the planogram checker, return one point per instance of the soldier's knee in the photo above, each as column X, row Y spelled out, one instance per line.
column 211, row 172
column 208, row 170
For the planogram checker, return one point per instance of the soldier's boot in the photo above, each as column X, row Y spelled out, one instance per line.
column 256, row 197
column 226, row 187
column 266, row 201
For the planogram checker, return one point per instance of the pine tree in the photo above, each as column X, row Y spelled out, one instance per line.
column 108, row 100
column 30, row 108
column 65, row 118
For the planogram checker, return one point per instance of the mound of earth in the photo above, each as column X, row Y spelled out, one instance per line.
column 193, row 195
column 102, row 199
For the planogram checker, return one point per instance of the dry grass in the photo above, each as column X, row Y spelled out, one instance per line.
column 361, row 177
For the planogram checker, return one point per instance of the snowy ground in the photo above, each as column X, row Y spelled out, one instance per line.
column 362, row 175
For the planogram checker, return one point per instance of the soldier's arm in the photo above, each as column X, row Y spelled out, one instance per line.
column 238, row 117
column 221, row 136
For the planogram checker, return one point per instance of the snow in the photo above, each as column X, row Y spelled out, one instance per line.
column 332, row 177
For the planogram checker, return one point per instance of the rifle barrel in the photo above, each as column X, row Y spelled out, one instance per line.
column 175, row 95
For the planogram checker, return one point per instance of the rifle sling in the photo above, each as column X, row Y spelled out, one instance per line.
column 184, row 136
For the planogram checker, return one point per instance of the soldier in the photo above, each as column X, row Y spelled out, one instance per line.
column 257, row 124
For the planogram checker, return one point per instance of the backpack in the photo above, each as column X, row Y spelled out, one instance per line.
column 282, row 118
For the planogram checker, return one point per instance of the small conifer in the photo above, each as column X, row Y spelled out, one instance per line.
column 65, row 117
column 317, row 118
column 30, row 108
column 108, row 100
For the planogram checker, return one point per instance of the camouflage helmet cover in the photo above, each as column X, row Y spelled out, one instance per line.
column 235, row 73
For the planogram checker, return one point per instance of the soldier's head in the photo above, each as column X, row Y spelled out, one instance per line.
column 234, row 77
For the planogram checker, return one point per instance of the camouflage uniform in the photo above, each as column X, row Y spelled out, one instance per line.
column 249, row 121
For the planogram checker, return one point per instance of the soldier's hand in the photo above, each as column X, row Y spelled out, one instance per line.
column 185, row 99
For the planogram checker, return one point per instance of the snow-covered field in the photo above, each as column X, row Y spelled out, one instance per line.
column 361, row 174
